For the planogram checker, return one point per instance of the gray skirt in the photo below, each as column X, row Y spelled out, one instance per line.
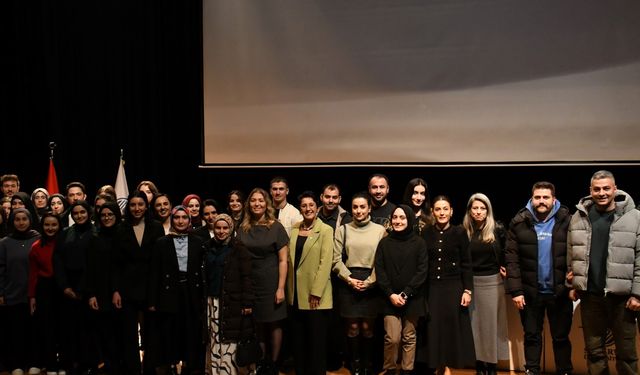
column 488, row 312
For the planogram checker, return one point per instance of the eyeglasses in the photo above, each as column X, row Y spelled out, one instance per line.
column 107, row 215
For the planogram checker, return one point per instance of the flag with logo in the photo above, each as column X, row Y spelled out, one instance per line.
column 121, row 187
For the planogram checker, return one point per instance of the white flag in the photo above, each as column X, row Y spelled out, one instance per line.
column 121, row 187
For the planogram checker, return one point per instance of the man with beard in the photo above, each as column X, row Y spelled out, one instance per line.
column 330, row 212
column 535, row 254
column 382, row 208
column 333, row 215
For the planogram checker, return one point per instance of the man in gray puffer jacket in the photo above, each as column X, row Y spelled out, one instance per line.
column 603, row 256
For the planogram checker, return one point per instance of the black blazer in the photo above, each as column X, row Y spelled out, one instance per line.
column 132, row 261
column 164, row 275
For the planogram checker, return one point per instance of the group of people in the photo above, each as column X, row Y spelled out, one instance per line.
column 154, row 286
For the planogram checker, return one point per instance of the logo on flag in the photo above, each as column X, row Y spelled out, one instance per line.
column 121, row 187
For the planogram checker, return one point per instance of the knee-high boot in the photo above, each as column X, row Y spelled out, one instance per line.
column 366, row 355
column 354, row 353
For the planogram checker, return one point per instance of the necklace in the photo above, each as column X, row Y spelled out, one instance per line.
column 304, row 227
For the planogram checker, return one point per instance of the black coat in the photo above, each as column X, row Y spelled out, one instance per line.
column 521, row 254
column 132, row 261
column 236, row 291
column 99, row 282
column 164, row 276
column 401, row 266
column 70, row 257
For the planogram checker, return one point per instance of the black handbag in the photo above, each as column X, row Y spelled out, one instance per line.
column 248, row 350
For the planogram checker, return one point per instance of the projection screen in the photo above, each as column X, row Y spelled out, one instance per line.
column 369, row 82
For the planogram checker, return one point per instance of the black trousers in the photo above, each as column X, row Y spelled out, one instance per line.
column 16, row 324
column 46, row 324
column 179, row 336
column 75, row 344
column 559, row 312
column 133, row 314
column 309, row 339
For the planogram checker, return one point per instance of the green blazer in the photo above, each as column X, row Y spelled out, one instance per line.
column 313, row 276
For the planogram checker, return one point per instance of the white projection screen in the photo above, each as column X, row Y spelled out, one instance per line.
column 420, row 82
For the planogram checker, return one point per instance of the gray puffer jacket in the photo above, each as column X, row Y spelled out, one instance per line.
column 623, row 257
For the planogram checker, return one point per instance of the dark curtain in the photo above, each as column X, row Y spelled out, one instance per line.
column 100, row 76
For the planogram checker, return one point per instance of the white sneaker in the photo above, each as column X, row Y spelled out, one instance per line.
column 17, row 371
column 34, row 371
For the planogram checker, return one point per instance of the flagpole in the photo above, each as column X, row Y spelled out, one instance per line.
column 52, row 146
column 52, row 179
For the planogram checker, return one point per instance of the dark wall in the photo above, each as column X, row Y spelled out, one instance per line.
column 97, row 77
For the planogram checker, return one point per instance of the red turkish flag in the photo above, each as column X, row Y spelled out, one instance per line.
column 52, row 179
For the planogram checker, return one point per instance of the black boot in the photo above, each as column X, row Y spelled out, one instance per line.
column 354, row 351
column 481, row 368
column 492, row 368
column 366, row 355
column 265, row 367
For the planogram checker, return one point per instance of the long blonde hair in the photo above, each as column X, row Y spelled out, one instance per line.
column 487, row 233
column 269, row 215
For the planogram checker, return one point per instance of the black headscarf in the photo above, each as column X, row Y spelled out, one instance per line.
column 86, row 225
column 21, row 235
column 28, row 204
column 411, row 219
column 115, row 209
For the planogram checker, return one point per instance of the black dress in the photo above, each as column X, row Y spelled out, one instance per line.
column 263, row 244
column 449, row 335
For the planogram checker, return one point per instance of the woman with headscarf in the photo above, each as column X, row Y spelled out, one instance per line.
column 43, row 293
column 70, row 271
column 40, row 199
column 98, row 288
column 14, row 302
column 193, row 203
column 135, row 239
column 176, row 294
column 22, row 199
column 229, row 296
column 401, row 270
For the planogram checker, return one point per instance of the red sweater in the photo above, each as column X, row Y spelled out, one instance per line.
column 40, row 264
